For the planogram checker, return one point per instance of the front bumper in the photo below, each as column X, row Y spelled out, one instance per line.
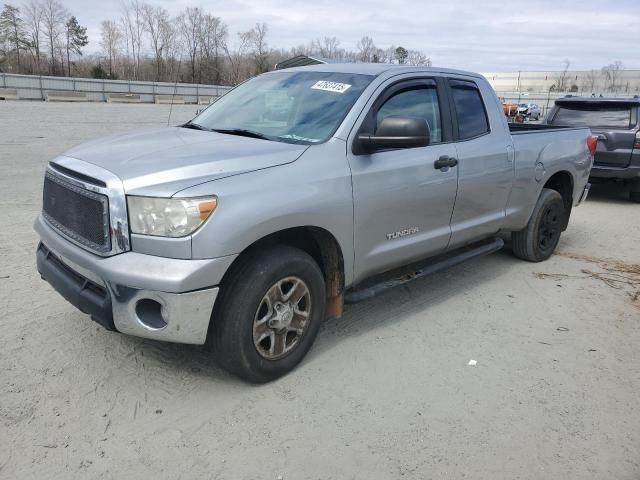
column 142, row 295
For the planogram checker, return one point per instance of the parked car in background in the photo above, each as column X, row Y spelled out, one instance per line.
column 296, row 192
column 530, row 110
column 616, row 122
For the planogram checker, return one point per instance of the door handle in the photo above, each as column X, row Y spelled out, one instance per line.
column 445, row 161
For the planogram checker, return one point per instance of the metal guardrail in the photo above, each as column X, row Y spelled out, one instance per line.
column 36, row 87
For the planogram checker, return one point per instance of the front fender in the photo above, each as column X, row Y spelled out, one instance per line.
column 313, row 191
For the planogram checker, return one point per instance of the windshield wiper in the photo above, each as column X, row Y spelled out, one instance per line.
column 195, row 126
column 242, row 132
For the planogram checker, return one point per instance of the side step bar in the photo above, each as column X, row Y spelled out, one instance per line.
column 425, row 268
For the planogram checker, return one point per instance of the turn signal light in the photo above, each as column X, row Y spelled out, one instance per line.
column 205, row 208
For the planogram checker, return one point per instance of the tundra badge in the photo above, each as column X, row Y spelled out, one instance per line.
column 402, row 233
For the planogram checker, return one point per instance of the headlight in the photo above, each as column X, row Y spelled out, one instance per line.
column 168, row 217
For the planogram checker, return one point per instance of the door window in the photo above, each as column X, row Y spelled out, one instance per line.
column 470, row 111
column 419, row 102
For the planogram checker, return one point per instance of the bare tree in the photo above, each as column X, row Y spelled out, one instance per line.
column 366, row 49
column 213, row 40
column 235, row 57
column 34, row 14
column 173, row 50
column 416, row 57
column 257, row 40
column 611, row 74
column 389, row 54
column 560, row 83
column 190, row 25
column 124, row 29
column 110, row 38
column 327, row 47
column 54, row 17
column 134, row 25
column 157, row 22
column 589, row 81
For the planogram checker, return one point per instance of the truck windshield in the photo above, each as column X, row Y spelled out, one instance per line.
column 294, row 107
column 614, row 116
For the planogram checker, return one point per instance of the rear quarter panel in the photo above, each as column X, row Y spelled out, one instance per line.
column 538, row 156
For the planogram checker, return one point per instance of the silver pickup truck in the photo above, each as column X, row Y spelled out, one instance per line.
column 297, row 192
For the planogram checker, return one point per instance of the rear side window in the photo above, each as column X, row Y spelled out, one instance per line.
column 419, row 102
column 470, row 111
column 594, row 116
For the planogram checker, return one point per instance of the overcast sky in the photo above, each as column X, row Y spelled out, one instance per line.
column 480, row 35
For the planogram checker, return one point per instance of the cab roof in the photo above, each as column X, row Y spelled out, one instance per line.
column 376, row 69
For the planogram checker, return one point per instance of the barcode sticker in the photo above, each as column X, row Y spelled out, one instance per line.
column 331, row 86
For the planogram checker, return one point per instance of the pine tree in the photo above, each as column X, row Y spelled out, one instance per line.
column 76, row 36
column 13, row 37
column 401, row 54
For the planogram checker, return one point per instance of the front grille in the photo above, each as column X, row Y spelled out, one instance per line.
column 78, row 213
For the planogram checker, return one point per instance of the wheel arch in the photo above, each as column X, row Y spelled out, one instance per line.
column 322, row 246
column 563, row 183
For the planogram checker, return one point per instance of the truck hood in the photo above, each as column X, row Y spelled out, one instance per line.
column 163, row 161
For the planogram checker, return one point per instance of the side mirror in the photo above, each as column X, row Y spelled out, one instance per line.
column 397, row 132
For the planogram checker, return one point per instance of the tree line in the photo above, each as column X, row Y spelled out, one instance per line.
column 41, row 39
column 146, row 42
column 607, row 79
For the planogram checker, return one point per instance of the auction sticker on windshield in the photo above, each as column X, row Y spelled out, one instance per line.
column 331, row 86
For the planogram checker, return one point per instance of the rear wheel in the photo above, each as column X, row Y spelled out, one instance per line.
column 269, row 313
column 539, row 239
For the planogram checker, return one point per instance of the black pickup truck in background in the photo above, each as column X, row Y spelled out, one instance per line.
column 616, row 123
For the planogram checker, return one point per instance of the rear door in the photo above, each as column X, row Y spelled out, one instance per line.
column 615, row 124
column 485, row 162
column 402, row 203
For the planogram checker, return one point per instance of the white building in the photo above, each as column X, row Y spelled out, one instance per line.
column 608, row 83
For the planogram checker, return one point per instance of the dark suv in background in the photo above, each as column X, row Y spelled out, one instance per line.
column 615, row 121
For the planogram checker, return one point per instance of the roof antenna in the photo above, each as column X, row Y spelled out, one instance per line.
column 175, row 87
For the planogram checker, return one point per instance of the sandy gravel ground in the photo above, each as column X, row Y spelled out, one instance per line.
column 387, row 391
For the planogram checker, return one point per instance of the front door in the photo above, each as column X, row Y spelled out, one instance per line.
column 402, row 203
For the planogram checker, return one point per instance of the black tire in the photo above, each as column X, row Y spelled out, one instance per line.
column 539, row 239
column 244, row 292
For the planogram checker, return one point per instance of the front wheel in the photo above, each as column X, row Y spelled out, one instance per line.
column 538, row 240
column 268, row 313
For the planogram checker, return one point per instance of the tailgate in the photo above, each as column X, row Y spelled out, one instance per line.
column 614, row 147
column 613, row 122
